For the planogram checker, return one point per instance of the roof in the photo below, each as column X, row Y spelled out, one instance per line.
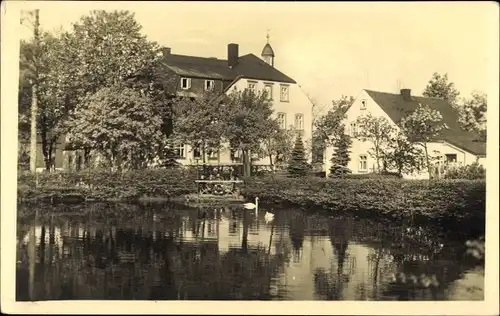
column 267, row 50
column 249, row 66
column 397, row 108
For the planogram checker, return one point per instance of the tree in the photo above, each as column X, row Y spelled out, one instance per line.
column 297, row 166
column 340, row 157
column 329, row 127
column 422, row 126
column 439, row 87
column 247, row 122
column 378, row 131
column 104, row 49
column 403, row 155
column 119, row 123
column 279, row 145
column 43, row 64
column 472, row 114
column 198, row 121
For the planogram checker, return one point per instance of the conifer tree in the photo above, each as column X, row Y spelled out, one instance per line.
column 340, row 157
column 297, row 167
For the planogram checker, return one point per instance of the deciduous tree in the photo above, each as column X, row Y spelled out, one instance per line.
column 379, row 132
column 247, row 121
column 119, row 123
column 440, row 87
column 198, row 122
column 473, row 113
column 422, row 126
column 403, row 155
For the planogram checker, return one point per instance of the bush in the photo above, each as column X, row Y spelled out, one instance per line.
column 471, row 172
column 107, row 185
column 463, row 200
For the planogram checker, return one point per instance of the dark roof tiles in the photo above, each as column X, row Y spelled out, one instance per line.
column 397, row 108
column 249, row 66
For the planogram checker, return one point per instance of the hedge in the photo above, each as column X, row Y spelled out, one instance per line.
column 462, row 200
column 102, row 185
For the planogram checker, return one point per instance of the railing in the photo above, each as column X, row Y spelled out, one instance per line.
column 218, row 187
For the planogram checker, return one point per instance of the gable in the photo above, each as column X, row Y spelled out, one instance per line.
column 372, row 107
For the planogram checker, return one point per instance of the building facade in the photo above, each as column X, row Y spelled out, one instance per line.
column 453, row 146
column 192, row 76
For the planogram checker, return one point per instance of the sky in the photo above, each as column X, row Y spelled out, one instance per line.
column 330, row 48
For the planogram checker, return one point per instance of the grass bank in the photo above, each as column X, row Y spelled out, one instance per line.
column 450, row 202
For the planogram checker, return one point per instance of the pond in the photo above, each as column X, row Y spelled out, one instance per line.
column 168, row 252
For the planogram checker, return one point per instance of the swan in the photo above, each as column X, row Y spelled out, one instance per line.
column 269, row 216
column 251, row 206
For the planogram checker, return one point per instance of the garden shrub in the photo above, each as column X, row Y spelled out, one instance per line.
column 471, row 172
column 460, row 199
column 106, row 185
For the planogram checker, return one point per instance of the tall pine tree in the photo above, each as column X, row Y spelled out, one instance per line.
column 298, row 167
column 340, row 157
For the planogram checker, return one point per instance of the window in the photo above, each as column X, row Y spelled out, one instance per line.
column 363, row 163
column 252, row 85
column 299, row 121
column 451, row 158
column 363, row 104
column 180, row 151
column 284, row 97
column 354, row 129
column 209, row 85
column 212, row 154
column 269, row 90
column 282, row 120
column 185, row 83
column 197, row 152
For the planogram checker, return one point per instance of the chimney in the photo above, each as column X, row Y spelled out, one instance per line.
column 232, row 55
column 166, row 51
column 406, row 94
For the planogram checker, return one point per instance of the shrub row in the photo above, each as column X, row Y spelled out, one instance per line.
column 437, row 200
column 104, row 185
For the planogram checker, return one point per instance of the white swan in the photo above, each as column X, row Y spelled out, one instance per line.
column 269, row 216
column 251, row 206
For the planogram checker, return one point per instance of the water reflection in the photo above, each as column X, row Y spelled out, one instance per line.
column 227, row 253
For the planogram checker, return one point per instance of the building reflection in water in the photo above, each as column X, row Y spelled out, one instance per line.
column 229, row 253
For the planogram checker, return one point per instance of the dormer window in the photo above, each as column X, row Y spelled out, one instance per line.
column 363, row 104
column 209, row 85
column 185, row 83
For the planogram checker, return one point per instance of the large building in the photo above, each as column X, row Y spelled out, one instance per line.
column 453, row 145
column 195, row 75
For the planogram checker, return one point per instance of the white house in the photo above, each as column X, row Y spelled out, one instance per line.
column 194, row 75
column 453, row 145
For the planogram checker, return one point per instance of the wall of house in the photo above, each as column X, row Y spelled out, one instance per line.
column 298, row 103
column 361, row 149
column 358, row 148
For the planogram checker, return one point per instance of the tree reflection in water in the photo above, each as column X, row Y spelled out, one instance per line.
column 169, row 253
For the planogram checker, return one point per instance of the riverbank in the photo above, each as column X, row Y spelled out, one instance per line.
column 449, row 202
